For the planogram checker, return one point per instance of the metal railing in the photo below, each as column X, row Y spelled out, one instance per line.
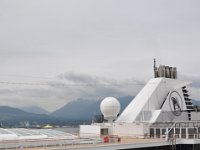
column 179, row 130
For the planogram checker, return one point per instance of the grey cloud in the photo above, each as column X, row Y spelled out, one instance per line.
column 194, row 79
column 71, row 86
column 77, row 78
column 94, row 87
column 65, row 88
column 114, row 39
column 93, row 36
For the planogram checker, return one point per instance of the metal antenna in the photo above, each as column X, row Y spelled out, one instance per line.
column 154, row 67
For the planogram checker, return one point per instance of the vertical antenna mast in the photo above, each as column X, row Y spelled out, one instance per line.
column 155, row 68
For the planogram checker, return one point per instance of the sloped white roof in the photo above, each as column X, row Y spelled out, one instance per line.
column 150, row 99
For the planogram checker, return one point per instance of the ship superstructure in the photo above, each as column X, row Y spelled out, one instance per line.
column 163, row 101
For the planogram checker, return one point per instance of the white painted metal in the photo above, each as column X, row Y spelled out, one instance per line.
column 152, row 103
column 130, row 130
column 89, row 131
column 110, row 108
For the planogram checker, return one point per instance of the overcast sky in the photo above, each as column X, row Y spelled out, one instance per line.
column 98, row 41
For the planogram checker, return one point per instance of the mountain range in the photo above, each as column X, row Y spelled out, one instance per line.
column 75, row 111
column 13, row 116
column 83, row 109
column 35, row 110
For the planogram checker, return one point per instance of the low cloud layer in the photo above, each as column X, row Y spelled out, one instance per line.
column 65, row 88
column 56, row 92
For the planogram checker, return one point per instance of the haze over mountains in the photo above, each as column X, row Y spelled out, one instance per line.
column 13, row 116
column 79, row 110
column 35, row 109
column 83, row 109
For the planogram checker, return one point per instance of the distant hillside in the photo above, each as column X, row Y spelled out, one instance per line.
column 35, row 110
column 83, row 109
column 71, row 114
column 196, row 102
column 80, row 109
column 13, row 116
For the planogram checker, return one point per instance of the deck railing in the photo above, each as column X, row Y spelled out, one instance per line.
column 178, row 130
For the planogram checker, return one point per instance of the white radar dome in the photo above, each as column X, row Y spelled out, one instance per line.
column 110, row 108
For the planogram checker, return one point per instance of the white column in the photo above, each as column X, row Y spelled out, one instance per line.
column 161, row 133
column 154, row 132
column 174, row 132
column 186, row 131
column 166, row 134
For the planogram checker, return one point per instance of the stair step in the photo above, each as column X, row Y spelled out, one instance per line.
column 190, row 105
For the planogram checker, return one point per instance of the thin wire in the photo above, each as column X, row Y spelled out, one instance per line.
column 74, row 85
column 22, row 83
column 56, row 84
column 25, row 76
